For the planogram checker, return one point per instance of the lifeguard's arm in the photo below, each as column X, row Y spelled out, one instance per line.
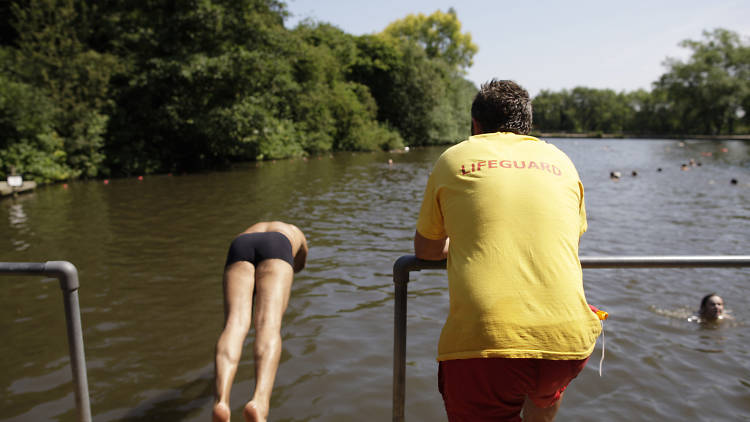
column 430, row 249
column 301, row 258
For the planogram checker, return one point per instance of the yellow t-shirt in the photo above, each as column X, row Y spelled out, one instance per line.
column 513, row 208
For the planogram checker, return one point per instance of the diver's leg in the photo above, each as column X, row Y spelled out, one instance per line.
column 238, row 300
column 534, row 413
column 273, row 285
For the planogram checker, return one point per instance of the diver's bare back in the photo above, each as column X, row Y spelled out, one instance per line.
column 292, row 232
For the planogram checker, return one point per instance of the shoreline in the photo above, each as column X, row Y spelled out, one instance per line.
column 599, row 135
column 5, row 191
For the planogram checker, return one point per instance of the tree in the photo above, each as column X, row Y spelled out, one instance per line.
column 600, row 110
column 414, row 70
column 439, row 34
column 8, row 34
column 555, row 111
column 117, row 87
column 651, row 113
column 29, row 144
column 207, row 84
column 332, row 110
column 710, row 90
column 416, row 95
column 52, row 58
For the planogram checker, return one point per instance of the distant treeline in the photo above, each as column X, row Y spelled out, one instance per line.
column 92, row 88
column 708, row 94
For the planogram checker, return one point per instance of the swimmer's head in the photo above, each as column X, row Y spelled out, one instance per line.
column 712, row 307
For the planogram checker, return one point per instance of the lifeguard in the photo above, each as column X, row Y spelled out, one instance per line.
column 507, row 211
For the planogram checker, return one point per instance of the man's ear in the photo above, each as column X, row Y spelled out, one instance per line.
column 476, row 128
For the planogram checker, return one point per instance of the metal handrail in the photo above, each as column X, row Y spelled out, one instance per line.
column 67, row 274
column 408, row 263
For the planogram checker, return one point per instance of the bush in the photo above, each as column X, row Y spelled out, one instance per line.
column 29, row 145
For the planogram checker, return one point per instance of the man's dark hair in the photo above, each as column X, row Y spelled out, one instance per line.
column 502, row 106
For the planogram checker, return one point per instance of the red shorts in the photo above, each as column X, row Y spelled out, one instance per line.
column 494, row 389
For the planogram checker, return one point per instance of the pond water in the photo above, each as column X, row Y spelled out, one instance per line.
column 150, row 256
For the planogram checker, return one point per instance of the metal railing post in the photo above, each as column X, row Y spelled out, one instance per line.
column 67, row 274
column 401, row 269
column 400, row 281
column 407, row 263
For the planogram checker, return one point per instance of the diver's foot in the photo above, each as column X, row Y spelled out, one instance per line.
column 253, row 412
column 221, row 412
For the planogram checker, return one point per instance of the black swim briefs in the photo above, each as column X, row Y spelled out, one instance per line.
column 257, row 247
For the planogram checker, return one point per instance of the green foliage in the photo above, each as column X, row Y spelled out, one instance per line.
column 650, row 113
column 594, row 111
column 51, row 57
column 8, row 34
column 29, row 144
column 418, row 96
column 142, row 86
column 274, row 141
column 439, row 35
column 554, row 111
column 208, row 91
column 709, row 91
column 414, row 72
column 334, row 111
column 708, row 94
column 91, row 88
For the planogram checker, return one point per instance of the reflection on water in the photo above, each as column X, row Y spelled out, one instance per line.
column 16, row 216
column 682, row 314
column 17, row 220
column 691, row 316
column 150, row 255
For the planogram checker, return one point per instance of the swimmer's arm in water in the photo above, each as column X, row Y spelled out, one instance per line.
column 430, row 249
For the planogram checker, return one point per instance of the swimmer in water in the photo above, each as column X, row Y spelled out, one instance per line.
column 257, row 282
column 712, row 308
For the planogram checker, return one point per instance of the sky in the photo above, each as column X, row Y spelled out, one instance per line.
column 554, row 45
